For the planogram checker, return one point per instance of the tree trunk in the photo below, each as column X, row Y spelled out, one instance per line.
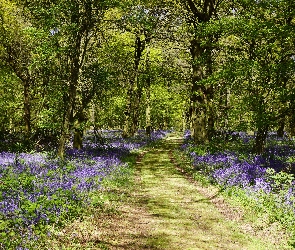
column 262, row 123
column 134, row 93
column 211, row 124
column 80, row 119
column 226, row 111
column 77, row 142
column 199, row 132
column 292, row 119
column 210, row 111
column 65, row 131
column 198, row 107
column 260, row 140
column 136, row 109
column 68, row 117
column 128, row 110
column 148, row 125
column 27, row 107
column 281, row 129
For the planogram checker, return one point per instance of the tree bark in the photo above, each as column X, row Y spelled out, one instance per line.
column 198, row 101
column 281, row 129
column 136, row 109
column 77, row 142
column 134, row 93
column 262, row 127
column 211, row 113
column 292, row 119
column 65, row 131
column 202, row 121
column 72, row 92
column 148, row 125
column 27, row 106
column 260, row 140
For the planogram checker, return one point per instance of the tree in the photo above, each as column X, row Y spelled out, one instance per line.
column 265, row 64
column 74, row 25
column 18, row 41
column 200, row 17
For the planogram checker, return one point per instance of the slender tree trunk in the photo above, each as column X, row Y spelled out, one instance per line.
column 227, row 107
column 211, row 114
column 68, row 117
column 281, row 129
column 136, row 109
column 133, row 95
column 292, row 129
column 128, row 110
column 27, row 107
column 292, row 119
column 148, row 125
column 81, row 118
column 210, row 95
column 65, row 133
column 262, row 128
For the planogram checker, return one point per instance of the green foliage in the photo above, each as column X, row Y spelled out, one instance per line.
column 280, row 180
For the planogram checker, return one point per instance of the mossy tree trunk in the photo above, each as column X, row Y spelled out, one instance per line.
column 198, row 101
column 202, row 115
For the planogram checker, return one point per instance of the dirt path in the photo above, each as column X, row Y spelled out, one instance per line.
column 164, row 210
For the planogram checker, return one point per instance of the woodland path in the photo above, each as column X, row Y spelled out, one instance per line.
column 165, row 210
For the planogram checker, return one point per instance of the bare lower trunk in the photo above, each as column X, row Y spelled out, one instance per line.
column 292, row 119
column 148, row 125
column 77, row 142
column 65, row 134
column 134, row 93
column 136, row 110
column 199, row 132
column 226, row 110
column 27, row 107
column 211, row 129
column 280, row 131
column 260, row 140
column 198, row 118
column 128, row 110
column 210, row 112
column 65, row 131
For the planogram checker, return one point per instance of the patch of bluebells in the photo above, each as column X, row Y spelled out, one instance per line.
column 37, row 189
column 259, row 175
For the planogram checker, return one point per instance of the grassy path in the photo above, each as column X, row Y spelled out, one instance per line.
column 162, row 210
column 181, row 217
column 165, row 211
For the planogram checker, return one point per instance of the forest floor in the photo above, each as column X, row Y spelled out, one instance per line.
column 165, row 209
